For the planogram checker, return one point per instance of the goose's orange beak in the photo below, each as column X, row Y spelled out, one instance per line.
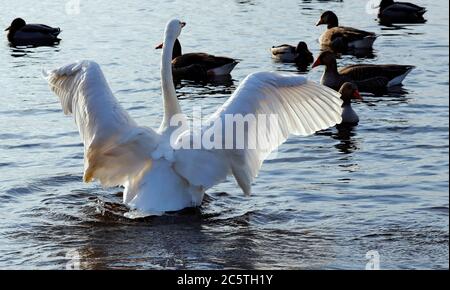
column 357, row 95
column 159, row 46
column 317, row 63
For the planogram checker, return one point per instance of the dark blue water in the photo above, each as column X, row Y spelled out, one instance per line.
column 322, row 203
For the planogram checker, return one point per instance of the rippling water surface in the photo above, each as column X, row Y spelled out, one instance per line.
column 323, row 202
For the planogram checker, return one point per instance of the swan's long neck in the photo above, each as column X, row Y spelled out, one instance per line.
column 170, row 100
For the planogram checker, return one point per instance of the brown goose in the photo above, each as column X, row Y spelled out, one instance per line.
column 400, row 12
column 22, row 34
column 349, row 92
column 368, row 77
column 341, row 38
column 199, row 65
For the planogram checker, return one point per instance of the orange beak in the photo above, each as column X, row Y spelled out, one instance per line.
column 317, row 63
column 159, row 46
column 357, row 95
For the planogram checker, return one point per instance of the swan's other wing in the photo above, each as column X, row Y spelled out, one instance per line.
column 299, row 106
column 116, row 150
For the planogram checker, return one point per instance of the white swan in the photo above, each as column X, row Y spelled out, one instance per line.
column 158, row 178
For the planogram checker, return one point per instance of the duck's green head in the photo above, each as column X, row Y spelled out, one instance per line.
column 385, row 3
column 17, row 24
column 329, row 18
column 301, row 47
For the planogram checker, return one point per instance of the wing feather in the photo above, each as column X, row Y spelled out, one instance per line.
column 116, row 150
column 301, row 107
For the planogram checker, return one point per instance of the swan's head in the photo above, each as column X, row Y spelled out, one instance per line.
column 173, row 29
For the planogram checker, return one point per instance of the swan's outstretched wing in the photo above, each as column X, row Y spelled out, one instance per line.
column 300, row 107
column 116, row 150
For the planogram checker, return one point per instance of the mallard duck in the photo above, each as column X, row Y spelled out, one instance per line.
column 400, row 12
column 194, row 65
column 291, row 54
column 22, row 34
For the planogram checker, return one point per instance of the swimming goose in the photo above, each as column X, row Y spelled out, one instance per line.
column 291, row 54
column 158, row 168
column 400, row 12
column 349, row 92
column 22, row 34
column 188, row 65
column 340, row 38
column 368, row 77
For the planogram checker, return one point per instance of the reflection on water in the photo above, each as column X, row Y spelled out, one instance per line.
column 225, row 81
column 322, row 201
column 362, row 53
column 21, row 51
column 186, row 241
column 213, row 88
column 345, row 135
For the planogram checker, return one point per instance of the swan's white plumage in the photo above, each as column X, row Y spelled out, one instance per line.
column 158, row 178
column 116, row 150
column 302, row 107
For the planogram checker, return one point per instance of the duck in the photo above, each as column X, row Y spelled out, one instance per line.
column 299, row 54
column 371, row 78
column 199, row 65
column 22, row 34
column 163, row 170
column 391, row 12
column 343, row 39
column 349, row 91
